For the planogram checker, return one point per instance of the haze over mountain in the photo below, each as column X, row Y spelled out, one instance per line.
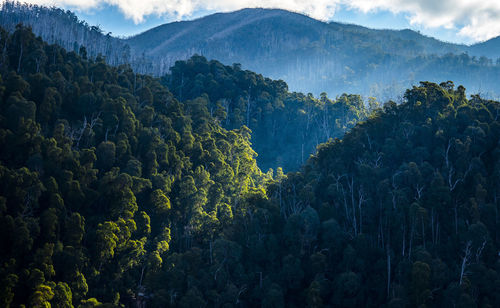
column 261, row 26
column 310, row 55
column 489, row 48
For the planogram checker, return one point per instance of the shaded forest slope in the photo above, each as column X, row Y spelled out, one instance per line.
column 112, row 190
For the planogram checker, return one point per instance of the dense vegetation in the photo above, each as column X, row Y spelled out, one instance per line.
column 114, row 190
column 286, row 127
column 102, row 172
column 403, row 210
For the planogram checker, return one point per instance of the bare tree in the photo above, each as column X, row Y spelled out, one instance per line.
column 465, row 260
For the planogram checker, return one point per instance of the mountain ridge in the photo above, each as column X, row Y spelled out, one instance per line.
column 309, row 54
column 400, row 33
column 331, row 22
column 488, row 47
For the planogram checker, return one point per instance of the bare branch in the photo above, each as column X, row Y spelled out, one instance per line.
column 465, row 260
column 419, row 191
column 480, row 250
column 446, row 154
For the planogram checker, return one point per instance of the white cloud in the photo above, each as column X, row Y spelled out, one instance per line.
column 474, row 19
column 479, row 20
column 137, row 10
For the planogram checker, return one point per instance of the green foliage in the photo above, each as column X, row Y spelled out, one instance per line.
column 103, row 175
column 285, row 127
column 116, row 192
column 402, row 202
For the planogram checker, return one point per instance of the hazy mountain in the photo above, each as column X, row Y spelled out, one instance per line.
column 489, row 48
column 314, row 56
column 265, row 32
column 310, row 55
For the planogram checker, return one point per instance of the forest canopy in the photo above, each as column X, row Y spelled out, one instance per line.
column 118, row 188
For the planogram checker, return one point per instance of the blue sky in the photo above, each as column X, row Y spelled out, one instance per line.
column 111, row 19
column 460, row 21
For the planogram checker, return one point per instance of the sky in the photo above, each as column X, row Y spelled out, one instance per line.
column 458, row 21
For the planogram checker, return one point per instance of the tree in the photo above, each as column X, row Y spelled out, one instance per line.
column 42, row 296
column 75, row 229
column 62, row 295
column 420, row 275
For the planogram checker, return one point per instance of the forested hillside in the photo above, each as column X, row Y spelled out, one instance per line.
column 314, row 56
column 61, row 27
column 104, row 176
column 489, row 48
column 403, row 211
column 238, row 97
column 308, row 54
column 286, row 127
column 115, row 191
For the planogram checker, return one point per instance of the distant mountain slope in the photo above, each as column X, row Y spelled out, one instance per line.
column 310, row 55
column 272, row 26
column 489, row 48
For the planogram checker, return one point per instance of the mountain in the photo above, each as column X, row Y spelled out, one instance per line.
column 314, row 56
column 310, row 55
column 268, row 32
column 489, row 48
